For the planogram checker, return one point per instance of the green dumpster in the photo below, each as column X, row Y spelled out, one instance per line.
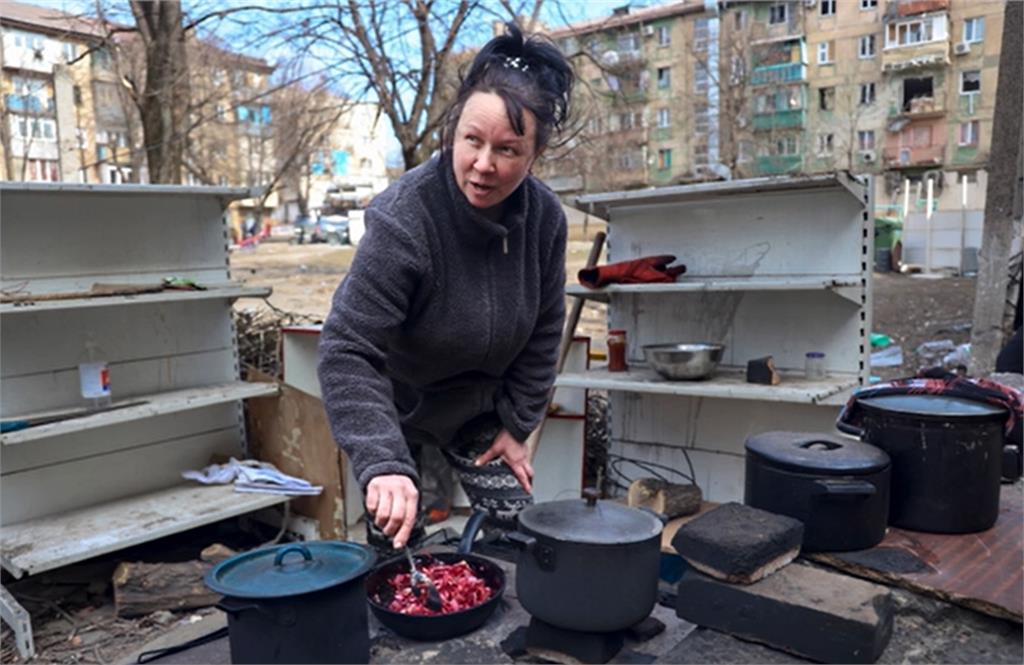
column 887, row 232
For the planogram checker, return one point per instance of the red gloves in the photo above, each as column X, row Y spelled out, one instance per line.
column 648, row 270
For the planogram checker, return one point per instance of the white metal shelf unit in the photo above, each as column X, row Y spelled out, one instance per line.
column 175, row 351
column 775, row 266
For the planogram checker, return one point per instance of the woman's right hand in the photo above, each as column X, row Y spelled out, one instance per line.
column 393, row 501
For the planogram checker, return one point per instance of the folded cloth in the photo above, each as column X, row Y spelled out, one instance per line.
column 978, row 390
column 252, row 476
column 647, row 270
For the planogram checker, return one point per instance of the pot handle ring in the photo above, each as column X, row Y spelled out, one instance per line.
column 840, row 487
column 302, row 549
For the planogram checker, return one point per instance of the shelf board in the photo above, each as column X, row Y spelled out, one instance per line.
column 726, row 383
column 50, row 542
column 158, row 404
column 841, row 284
column 230, row 292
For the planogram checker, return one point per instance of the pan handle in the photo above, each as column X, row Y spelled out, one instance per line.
column 842, row 487
column 470, row 531
column 225, row 605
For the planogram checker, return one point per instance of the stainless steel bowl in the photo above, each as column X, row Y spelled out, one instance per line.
column 688, row 360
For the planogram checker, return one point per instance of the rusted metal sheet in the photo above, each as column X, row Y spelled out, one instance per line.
column 983, row 571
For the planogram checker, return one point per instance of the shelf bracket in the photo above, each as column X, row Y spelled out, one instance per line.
column 15, row 616
column 851, row 293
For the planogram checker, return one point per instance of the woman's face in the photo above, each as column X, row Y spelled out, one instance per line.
column 489, row 158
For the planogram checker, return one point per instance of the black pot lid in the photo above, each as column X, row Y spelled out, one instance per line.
column 812, row 452
column 590, row 521
column 291, row 569
column 933, row 405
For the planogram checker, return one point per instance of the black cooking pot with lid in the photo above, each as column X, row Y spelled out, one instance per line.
column 838, row 488
column 946, row 459
column 587, row 564
column 296, row 603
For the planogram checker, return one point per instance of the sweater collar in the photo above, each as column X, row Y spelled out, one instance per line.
column 469, row 220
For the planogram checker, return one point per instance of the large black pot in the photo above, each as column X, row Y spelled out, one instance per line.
column 838, row 488
column 296, row 603
column 588, row 565
column 946, row 460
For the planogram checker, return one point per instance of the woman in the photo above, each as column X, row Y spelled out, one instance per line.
column 446, row 329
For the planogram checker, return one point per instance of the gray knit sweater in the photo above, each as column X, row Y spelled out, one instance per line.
column 443, row 316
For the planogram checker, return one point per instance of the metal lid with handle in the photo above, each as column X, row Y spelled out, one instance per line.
column 292, row 569
column 812, row 452
column 590, row 520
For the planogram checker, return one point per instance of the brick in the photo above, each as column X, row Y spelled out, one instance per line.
column 739, row 543
column 805, row 611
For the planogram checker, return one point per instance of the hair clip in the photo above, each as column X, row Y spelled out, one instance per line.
column 516, row 63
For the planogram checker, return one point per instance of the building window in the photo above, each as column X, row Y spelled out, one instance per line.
column 744, row 151
column 740, row 19
column 970, row 82
column 915, row 32
column 825, row 53
column 826, row 99
column 664, row 35
column 867, row 93
column 866, row 5
column 777, row 14
column 33, row 129
column 785, row 145
column 664, row 118
column 594, row 126
column 866, row 47
column 825, row 143
column 974, row 29
column 627, row 160
column 701, row 33
column 828, row 7
column 665, row 158
column 43, row 170
column 969, row 133
column 866, row 140
column 70, row 50
column 664, row 77
column 629, row 42
column 700, row 80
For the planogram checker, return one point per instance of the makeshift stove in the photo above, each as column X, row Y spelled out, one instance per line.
column 559, row 645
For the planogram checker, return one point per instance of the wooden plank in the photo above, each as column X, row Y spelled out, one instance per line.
column 155, row 405
column 88, row 481
column 983, row 571
column 212, row 292
column 726, row 383
column 291, row 432
column 51, row 542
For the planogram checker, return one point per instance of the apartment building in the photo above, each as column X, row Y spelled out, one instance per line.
column 901, row 89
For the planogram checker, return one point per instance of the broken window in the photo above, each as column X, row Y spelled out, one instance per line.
column 970, row 82
column 827, row 98
column 916, row 88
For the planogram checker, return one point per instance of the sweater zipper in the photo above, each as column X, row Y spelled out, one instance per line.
column 504, row 245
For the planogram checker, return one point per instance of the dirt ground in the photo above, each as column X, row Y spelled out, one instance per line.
column 72, row 609
column 911, row 309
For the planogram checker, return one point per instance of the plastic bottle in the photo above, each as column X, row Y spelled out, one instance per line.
column 94, row 375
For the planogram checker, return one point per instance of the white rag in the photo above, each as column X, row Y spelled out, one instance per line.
column 253, row 476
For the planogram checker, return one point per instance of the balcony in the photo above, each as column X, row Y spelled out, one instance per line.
column 779, row 164
column 787, row 119
column 919, row 107
column 916, row 56
column 904, row 157
column 790, row 72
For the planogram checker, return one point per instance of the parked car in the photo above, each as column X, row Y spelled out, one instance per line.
column 332, row 229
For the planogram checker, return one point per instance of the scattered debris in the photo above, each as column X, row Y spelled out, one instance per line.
column 891, row 356
column 259, row 335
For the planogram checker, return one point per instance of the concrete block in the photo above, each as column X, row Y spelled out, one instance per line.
column 739, row 543
column 812, row 613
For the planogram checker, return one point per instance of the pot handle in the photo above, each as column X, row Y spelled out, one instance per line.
column 225, row 605
column 279, row 559
column 470, row 530
column 522, row 541
column 841, row 487
column 852, row 430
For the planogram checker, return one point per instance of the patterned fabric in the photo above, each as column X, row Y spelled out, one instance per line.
column 978, row 390
column 491, row 487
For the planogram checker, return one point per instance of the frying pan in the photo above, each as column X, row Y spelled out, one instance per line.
column 442, row 626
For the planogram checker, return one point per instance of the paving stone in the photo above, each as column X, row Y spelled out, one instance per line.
column 809, row 612
column 739, row 543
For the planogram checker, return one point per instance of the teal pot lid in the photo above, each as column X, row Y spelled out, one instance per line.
column 291, row 569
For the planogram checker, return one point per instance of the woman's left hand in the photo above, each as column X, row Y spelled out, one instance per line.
column 514, row 454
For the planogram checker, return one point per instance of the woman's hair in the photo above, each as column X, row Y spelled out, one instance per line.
column 527, row 73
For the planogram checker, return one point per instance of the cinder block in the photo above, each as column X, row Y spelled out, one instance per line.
column 739, row 543
column 809, row 612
